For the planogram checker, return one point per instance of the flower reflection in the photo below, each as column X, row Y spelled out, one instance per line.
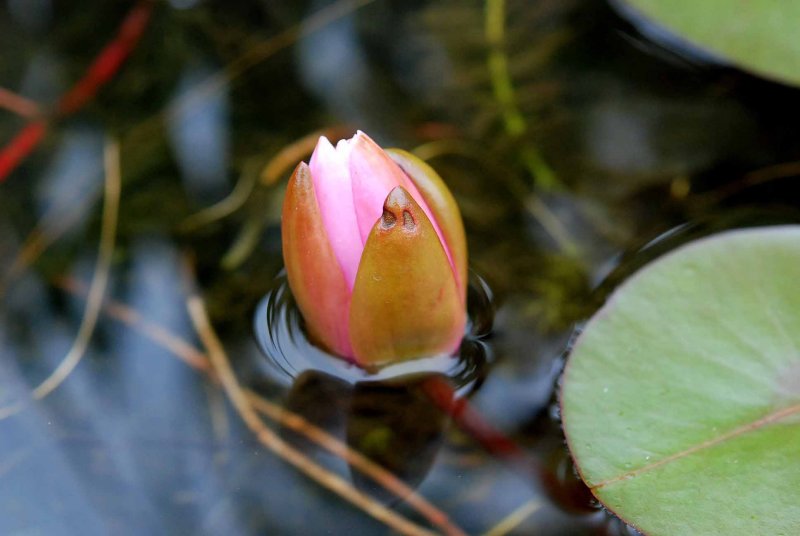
column 388, row 416
column 392, row 422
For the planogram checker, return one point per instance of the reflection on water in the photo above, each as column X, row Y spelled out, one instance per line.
column 140, row 438
column 671, row 42
column 392, row 422
column 277, row 325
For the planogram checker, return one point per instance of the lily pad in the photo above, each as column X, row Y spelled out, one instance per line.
column 757, row 35
column 681, row 398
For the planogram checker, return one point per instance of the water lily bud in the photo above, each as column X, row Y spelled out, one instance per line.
column 375, row 253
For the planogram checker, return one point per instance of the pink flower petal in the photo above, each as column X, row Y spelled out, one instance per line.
column 314, row 274
column 374, row 174
column 332, row 185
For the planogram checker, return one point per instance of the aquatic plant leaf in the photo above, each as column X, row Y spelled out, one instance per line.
column 681, row 398
column 758, row 35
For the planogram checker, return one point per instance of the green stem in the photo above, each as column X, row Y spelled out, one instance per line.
column 503, row 89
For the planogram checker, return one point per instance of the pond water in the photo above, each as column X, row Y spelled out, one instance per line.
column 141, row 248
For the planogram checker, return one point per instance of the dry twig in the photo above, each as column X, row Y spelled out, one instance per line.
column 196, row 359
column 288, row 157
column 18, row 104
column 46, row 232
column 179, row 347
column 275, row 443
column 515, row 518
column 97, row 288
column 356, row 459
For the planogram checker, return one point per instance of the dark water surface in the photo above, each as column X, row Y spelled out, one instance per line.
column 569, row 140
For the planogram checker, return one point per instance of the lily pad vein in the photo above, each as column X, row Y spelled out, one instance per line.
column 749, row 427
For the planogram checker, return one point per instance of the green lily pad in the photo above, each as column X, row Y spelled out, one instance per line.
column 757, row 35
column 681, row 398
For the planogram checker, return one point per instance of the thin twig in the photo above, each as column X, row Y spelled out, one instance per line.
column 552, row 225
column 275, row 443
column 111, row 58
column 57, row 221
column 356, row 459
column 261, row 51
column 277, row 167
column 196, row 359
column 245, row 242
column 533, row 204
column 225, row 207
column 288, row 157
column 758, row 177
column 515, row 518
column 97, row 288
column 100, row 71
column 178, row 346
column 18, row 104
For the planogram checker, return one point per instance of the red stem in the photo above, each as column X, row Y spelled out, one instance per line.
column 110, row 59
column 574, row 497
column 21, row 146
column 470, row 421
column 103, row 68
